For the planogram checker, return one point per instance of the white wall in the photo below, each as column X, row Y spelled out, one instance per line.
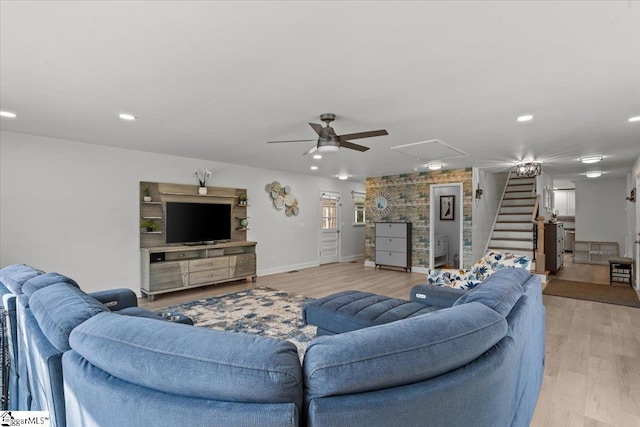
column 485, row 209
column 451, row 229
column 74, row 208
column 601, row 210
column 634, row 224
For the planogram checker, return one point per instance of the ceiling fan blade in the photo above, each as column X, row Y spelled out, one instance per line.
column 293, row 140
column 311, row 150
column 347, row 144
column 363, row 135
column 316, row 127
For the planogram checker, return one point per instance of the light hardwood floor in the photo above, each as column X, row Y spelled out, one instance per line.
column 592, row 374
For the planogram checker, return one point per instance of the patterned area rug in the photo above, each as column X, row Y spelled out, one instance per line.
column 262, row 311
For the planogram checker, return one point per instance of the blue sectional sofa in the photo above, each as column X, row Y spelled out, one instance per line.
column 471, row 358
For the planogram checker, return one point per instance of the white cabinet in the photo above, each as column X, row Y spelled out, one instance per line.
column 564, row 201
column 393, row 244
column 440, row 250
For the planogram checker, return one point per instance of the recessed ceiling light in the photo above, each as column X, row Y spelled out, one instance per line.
column 434, row 166
column 317, row 156
column 591, row 159
column 594, row 174
column 125, row 116
column 8, row 114
column 525, row 118
column 634, row 119
column 343, row 176
column 314, row 168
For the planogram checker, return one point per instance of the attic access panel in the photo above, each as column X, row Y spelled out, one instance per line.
column 431, row 150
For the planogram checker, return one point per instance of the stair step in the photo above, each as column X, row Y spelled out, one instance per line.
column 513, row 239
column 513, row 234
column 517, row 209
column 513, row 244
column 530, row 178
column 509, row 195
column 525, row 225
column 514, row 217
column 512, row 250
column 520, row 201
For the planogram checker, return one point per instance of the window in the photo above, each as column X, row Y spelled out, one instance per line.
column 329, row 212
column 359, row 211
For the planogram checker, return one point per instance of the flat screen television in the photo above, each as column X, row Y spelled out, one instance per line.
column 197, row 222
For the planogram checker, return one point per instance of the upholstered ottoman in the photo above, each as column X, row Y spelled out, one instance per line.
column 350, row 310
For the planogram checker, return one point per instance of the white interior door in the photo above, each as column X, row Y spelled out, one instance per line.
column 637, row 235
column 329, row 227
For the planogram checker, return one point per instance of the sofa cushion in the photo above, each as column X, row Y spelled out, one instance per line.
column 402, row 352
column 44, row 280
column 61, row 307
column 500, row 291
column 14, row 276
column 220, row 365
column 350, row 310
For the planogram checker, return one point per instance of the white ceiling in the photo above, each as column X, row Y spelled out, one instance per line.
column 216, row 80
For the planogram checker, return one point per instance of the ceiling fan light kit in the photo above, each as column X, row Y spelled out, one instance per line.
column 330, row 142
column 328, row 148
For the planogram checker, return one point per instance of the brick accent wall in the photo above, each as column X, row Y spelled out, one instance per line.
column 408, row 198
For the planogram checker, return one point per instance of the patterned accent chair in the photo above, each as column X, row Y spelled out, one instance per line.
column 491, row 262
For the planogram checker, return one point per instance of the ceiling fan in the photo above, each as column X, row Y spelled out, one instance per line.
column 329, row 142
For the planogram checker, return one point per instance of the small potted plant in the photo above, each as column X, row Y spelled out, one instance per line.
column 146, row 196
column 202, row 179
column 149, row 225
column 242, row 199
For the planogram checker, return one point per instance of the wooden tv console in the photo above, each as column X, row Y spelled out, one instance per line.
column 172, row 268
column 168, row 268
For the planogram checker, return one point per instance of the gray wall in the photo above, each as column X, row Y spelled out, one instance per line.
column 601, row 210
column 74, row 208
column 485, row 209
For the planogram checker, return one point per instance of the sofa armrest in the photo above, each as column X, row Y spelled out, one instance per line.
column 116, row 299
column 439, row 296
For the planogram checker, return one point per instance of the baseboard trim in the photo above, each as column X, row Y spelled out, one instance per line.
column 287, row 268
column 351, row 258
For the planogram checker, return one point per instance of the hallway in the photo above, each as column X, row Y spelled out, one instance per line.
column 590, row 273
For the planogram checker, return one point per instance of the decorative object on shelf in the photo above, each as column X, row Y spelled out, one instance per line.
column 146, row 196
column 149, row 225
column 448, row 208
column 202, row 179
column 242, row 200
column 632, row 196
column 529, row 169
column 554, row 215
column 282, row 198
column 381, row 203
column 244, row 222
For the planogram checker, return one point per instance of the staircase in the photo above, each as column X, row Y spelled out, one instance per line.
column 513, row 229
